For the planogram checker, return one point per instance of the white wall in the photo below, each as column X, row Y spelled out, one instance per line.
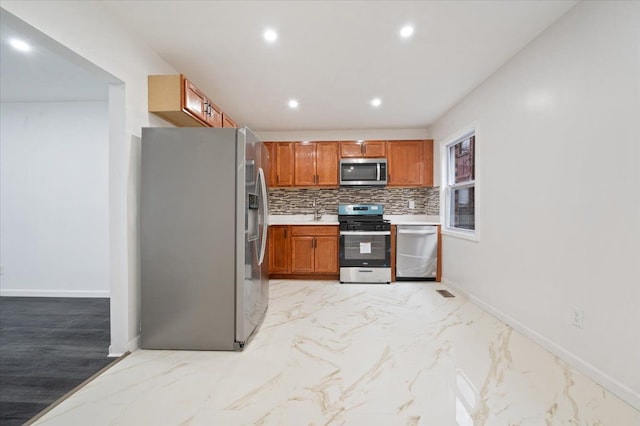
column 89, row 32
column 54, row 221
column 54, row 227
column 558, row 197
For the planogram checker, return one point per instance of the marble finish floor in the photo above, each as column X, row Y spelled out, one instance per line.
column 356, row 354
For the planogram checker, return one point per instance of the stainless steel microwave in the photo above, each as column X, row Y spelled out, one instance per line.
column 363, row 171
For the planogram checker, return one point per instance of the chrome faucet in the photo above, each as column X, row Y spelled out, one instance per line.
column 316, row 211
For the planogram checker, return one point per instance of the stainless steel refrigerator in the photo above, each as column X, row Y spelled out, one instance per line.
column 203, row 236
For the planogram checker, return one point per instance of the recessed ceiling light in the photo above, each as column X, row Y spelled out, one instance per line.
column 376, row 102
column 19, row 45
column 293, row 104
column 270, row 35
column 406, row 31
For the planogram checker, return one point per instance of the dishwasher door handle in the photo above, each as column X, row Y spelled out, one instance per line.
column 406, row 231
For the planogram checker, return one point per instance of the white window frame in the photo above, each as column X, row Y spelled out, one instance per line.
column 447, row 186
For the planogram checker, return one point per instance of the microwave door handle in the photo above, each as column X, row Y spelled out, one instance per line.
column 378, row 170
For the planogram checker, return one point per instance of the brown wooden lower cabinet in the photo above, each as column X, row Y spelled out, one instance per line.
column 326, row 255
column 302, row 255
column 279, row 249
column 299, row 251
column 307, row 251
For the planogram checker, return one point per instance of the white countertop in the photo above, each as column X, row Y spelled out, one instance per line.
column 328, row 219
column 302, row 219
column 412, row 219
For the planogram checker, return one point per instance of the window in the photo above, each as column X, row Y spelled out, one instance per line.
column 460, row 185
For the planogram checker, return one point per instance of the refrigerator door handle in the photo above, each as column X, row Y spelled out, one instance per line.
column 265, row 213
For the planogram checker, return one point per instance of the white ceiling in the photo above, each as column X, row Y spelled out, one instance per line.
column 42, row 74
column 333, row 57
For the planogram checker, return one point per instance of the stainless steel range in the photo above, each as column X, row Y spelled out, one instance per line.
column 365, row 244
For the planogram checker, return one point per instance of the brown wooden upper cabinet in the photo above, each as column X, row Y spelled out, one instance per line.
column 410, row 163
column 428, row 163
column 176, row 99
column 316, row 164
column 227, row 121
column 363, row 149
column 280, row 163
column 271, row 173
column 197, row 103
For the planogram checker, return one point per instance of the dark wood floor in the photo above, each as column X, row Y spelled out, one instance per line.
column 48, row 346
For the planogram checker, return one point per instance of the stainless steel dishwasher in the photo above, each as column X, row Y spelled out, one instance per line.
column 416, row 252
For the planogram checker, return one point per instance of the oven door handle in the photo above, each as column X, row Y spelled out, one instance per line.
column 365, row 233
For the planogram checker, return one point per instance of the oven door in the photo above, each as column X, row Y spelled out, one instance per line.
column 365, row 248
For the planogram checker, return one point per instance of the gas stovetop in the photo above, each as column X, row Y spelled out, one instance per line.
column 362, row 217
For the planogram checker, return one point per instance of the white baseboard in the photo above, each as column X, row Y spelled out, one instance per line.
column 54, row 293
column 132, row 345
column 621, row 390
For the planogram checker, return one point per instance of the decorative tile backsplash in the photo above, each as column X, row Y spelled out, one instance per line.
column 395, row 200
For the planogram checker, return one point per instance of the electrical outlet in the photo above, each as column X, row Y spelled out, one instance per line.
column 577, row 317
column 412, row 204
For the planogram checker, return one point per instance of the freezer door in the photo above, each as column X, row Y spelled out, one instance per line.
column 188, row 233
column 252, row 292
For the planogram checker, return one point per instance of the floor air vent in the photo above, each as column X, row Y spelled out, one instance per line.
column 445, row 293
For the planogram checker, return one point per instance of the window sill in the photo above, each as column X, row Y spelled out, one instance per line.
column 471, row 236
